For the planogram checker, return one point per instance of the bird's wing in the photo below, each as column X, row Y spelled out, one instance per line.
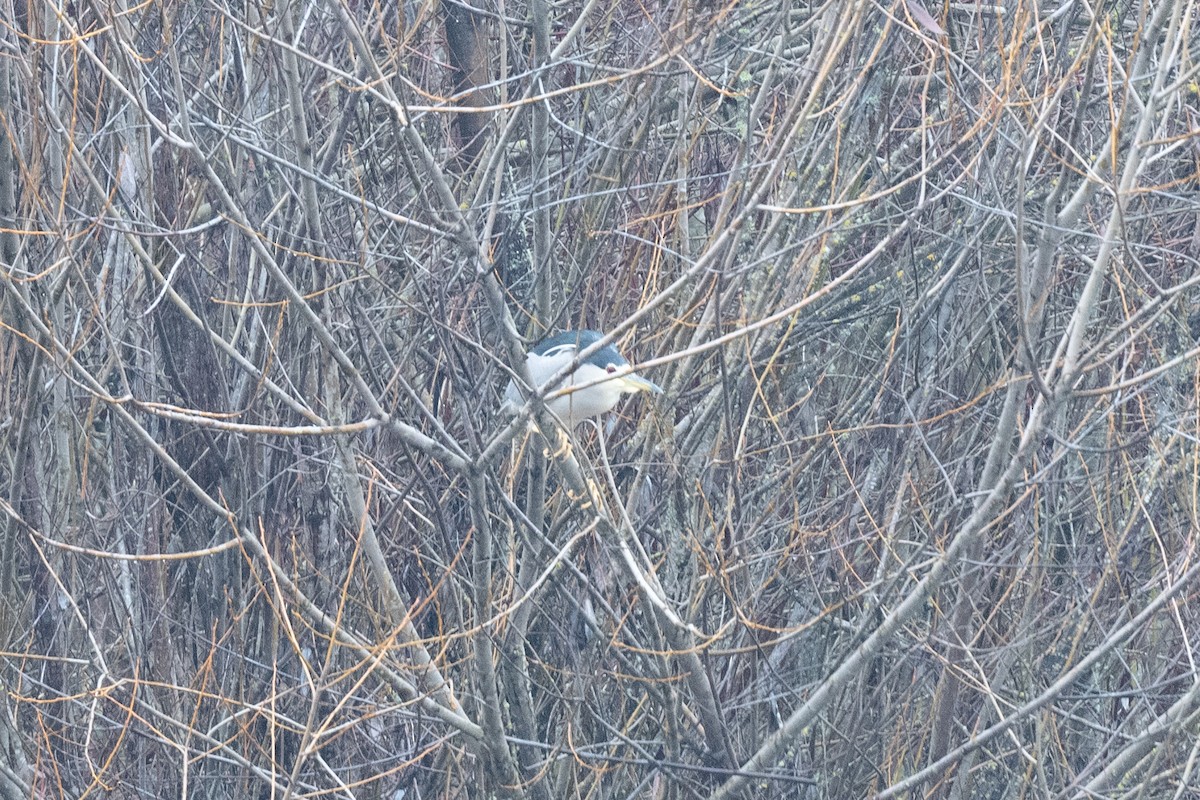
column 559, row 350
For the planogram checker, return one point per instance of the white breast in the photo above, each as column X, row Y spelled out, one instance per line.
column 570, row 407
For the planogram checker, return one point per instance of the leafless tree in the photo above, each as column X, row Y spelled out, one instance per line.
column 915, row 517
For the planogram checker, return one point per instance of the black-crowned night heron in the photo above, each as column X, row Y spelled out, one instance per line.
column 606, row 365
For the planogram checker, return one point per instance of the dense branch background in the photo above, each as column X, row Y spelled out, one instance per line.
column 915, row 517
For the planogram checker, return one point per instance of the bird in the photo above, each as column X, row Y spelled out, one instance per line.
column 572, row 406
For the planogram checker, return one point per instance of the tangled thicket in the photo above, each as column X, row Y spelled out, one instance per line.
column 916, row 515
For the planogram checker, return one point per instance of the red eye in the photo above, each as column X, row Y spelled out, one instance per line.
column 611, row 368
